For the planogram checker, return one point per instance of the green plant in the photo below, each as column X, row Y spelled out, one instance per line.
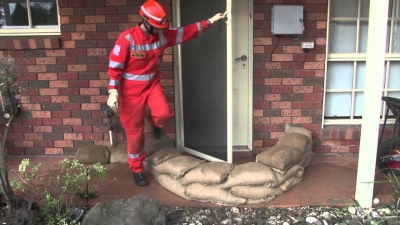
column 57, row 186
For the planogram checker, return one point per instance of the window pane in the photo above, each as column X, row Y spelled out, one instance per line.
column 394, row 75
column 396, row 9
column 396, row 36
column 342, row 36
column 364, row 8
column 363, row 36
column 360, row 77
column 344, row 8
column 388, row 36
column 19, row 14
column 393, row 94
column 2, row 15
column 340, row 75
column 338, row 104
column 44, row 13
column 359, row 104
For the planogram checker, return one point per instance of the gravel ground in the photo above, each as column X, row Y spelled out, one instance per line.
column 318, row 215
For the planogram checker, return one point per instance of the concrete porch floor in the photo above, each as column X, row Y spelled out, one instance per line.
column 329, row 180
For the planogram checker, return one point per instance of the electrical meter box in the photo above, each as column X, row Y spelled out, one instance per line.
column 287, row 20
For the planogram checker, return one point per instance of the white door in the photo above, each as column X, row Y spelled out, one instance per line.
column 211, row 87
column 241, row 96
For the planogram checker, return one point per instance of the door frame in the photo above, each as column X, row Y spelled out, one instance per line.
column 177, row 62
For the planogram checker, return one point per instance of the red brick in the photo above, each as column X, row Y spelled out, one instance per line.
column 106, row 10
column 261, row 105
column 303, row 105
column 73, row 136
column 90, row 106
column 276, row 135
column 58, row 52
column 33, row 136
column 48, row 91
column 292, row 65
column 69, row 91
column 30, row 107
column 272, row 127
column 262, row 41
column 53, row 151
column 58, row 83
column 304, row 119
column 115, row 2
column 85, row 27
column 97, row 67
column 116, row 18
column 36, row 68
column 291, row 112
column 46, row 129
column 52, row 121
column 63, row 144
column 76, row 52
column 78, row 36
column 32, row 121
column 303, row 89
column 42, row 144
column 100, row 129
column 60, row 114
column 72, row 121
column 272, row 81
column 258, row 49
column 303, row 73
column 96, row 51
column 134, row 18
column 90, row 91
column 64, row 19
column 77, row 67
column 68, row 76
column 320, row 41
column 281, row 89
column 70, row 106
column 68, row 44
column 93, row 136
column 257, row 112
column 95, row 19
column 261, row 120
column 100, row 99
column 281, row 105
column 15, row 136
column 24, row 144
column 314, row 65
column 299, row 58
column 82, row 129
column 41, row 114
column 285, row 120
column 292, row 81
column 314, row 97
column 46, row 76
column 59, row 99
column 282, row 57
column 272, row 97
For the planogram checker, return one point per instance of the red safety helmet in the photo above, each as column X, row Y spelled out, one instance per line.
column 154, row 13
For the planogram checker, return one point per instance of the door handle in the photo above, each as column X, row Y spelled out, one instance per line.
column 243, row 58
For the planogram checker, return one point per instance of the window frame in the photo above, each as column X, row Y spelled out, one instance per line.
column 355, row 58
column 30, row 30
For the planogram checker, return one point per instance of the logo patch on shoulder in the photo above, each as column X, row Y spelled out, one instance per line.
column 116, row 50
column 138, row 55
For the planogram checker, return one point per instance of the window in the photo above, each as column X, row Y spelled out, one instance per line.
column 346, row 60
column 29, row 17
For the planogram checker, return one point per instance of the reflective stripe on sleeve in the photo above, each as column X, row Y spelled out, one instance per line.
column 134, row 156
column 138, row 77
column 179, row 36
column 199, row 27
column 116, row 65
column 130, row 39
column 114, row 83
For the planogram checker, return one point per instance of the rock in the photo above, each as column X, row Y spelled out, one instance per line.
column 91, row 154
column 118, row 153
column 138, row 210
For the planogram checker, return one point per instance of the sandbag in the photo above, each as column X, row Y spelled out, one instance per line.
column 300, row 130
column 307, row 159
column 91, row 154
column 118, row 153
column 295, row 140
column 251, row 173
column 208, row 173
column 172, row 185
column 162, row 155
column 154, row 145
column 255, row 192
column 178, row 166
column 280, row 157
column 211, row 193
column 294, row 171
column 289, row 183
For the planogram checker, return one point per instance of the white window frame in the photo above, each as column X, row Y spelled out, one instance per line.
column 357, row 57
column 31, row 30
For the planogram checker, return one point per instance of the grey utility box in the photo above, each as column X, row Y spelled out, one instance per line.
column 287, row 19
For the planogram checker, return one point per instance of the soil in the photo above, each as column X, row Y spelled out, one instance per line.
column 318, row 215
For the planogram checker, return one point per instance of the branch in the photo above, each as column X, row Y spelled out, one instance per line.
column 8, row 125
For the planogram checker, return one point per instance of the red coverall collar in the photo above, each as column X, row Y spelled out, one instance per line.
column 142, row 35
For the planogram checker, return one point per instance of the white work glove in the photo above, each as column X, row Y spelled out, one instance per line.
column 217, row 17
column 112, row 101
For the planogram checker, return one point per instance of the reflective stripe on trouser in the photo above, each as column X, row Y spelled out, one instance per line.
column 132, row 120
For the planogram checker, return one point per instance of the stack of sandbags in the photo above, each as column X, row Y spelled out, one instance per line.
column 289, row 157
column 274, row 172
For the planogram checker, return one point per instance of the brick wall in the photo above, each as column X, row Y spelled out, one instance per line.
column 64, row 79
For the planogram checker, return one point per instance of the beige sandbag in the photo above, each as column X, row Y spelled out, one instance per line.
column 91, row 154
column 300, row 130
column 118, row 153
column 178, row 166
column 211, row 193
column 295, row 140
column 280, row 157
column 289, row 183
column 294, row 171
column 252, row 201
column 250, row 173
column 172, row 185
column 255, row 192
column 154, row 145
column 162, row 155
column 208, row 173
column 307, row 159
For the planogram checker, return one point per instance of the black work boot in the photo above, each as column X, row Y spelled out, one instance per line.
column 140, row 179
column 157, row 132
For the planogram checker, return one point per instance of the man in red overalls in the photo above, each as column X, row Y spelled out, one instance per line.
column 135, row 79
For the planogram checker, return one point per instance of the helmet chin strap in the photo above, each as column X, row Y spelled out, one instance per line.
column 149, row 28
